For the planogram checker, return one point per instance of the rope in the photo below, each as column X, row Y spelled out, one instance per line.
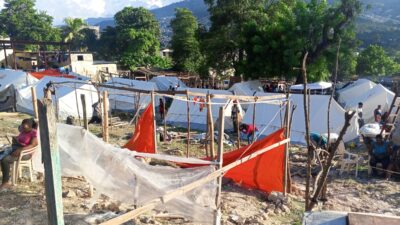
column 390, row 171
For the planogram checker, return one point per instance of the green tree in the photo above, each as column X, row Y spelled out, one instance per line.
column 108, row 48
column 21, row 21
column 72, row 32
column 137, row 35
column 374, row 61
column 186, row 55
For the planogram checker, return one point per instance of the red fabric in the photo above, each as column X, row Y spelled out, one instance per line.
column 143, row 138
column 50, row 73
column 264, row 172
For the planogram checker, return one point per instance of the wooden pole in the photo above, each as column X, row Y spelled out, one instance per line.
column 254, row 118
column 5, row 56
column 286, row 175
column 77, row 106
column 34, row 102
column 211, row 126
column 105, row 117
column 165, row 120
column 188, row 123
column 217, row 218
column 85, row 119
column 14, row 56
column 238, row 125
column 51, row 160
column 154, row 116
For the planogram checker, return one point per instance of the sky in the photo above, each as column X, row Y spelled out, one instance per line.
column 60, row 9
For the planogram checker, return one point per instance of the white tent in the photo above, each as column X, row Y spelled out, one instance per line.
column 126, row 100
column 177, row 113
column 379, row 95
column 18, row 78
column 354, row 90
column 164, row 83
column 318, row 86
column 65, row 98
column 270, row 117
column 247, row 88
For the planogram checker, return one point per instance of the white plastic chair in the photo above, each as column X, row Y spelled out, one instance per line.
column 348, row 161
column 19, row 164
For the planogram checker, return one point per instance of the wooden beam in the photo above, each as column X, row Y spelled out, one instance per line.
column 218, row 214
column 188, row 123
column 85, row 117
column 105, row 117
column 51, row 160
column 184, row 189
column 34, row 103
column 211, row 127
column 254, row 119
column 155, row 122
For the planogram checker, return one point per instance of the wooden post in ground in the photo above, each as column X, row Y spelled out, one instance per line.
column 188, row 123
column 14, row 56
column 5, row 56
column 51, row 160
column 154, row 116
column 34, row 103
column 165, row 120
column 211, row 126
column 286, row 175
column 217, row 218
column 77, row 105
column 254, row 119
column 85, row 119
column 105, row 117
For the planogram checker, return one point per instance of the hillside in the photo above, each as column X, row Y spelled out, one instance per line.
column 379, row 23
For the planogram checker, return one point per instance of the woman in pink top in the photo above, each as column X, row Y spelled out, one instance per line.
column 26, row 139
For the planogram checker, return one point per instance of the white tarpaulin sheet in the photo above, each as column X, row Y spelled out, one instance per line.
column 126, row 100
column 268, row 115
column 66, row 99
column 247, row 88
column 354, row 90
column 312, row 86
column 116, row 173
column 177, row 113
column 18, row 78
column 379, row 95
column 165, row 83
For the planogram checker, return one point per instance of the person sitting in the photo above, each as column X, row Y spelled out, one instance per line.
column 379, row 152
column 248, row 130
column 378, row 114
column 26, row 139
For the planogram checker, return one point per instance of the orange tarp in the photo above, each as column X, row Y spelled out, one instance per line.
column 143, row 138
column 50, row 73
column 264, row 172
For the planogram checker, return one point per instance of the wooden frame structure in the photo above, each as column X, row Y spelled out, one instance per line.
column 53, row 174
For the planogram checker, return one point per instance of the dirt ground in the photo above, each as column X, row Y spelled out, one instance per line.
column 25, row 203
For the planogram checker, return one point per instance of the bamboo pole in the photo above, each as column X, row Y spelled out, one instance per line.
column 105, row 117
column 286, row 176
column 34, row 102
column 154, row 121
column 165, row 121
column 211, row 126
column 184, row 189
column 217, row 218
column 254, row 119
column 85, row 119
column 188, row 124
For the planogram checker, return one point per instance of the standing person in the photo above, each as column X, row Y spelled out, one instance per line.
column 378, row 114
column 235, row 113
column 26, row 139
column 96, row 117
column 161, row 109
column 379, row 152
column 359, row 113
column 248, row 130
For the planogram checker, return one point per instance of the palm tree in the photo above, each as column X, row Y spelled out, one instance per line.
column 72, row 29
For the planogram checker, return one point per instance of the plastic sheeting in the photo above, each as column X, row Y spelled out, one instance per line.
column 352, row 90
column 7, row 99
column 164, row 83
column 118, row 174
column 312, row 86
column 143, row 138
column 18, row 78
column 177, row 113
column 50, row 73
column 126, row 100
column 67, row 101
column 318, row 117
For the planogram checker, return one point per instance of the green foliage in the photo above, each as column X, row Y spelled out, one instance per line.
column 186, row 55
column 269, row 38
column 76, row 32
column 374, row 61
column 21, row 21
